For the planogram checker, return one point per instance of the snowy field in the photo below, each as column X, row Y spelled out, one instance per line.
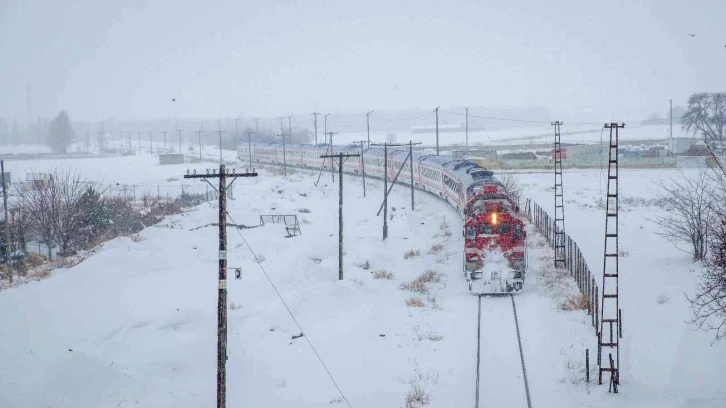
column 525, row 135
column 135, row 324
column 661, row 353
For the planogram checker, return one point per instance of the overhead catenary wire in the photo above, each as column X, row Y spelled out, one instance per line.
column 307, row 339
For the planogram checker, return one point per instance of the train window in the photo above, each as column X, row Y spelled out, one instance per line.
column 503, row 228
column 471, row 232
column 517, row 231
column 485, row 228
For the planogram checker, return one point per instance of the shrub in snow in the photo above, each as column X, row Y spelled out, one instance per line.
column 417, row 397
column 623, row 253
column 259, row 258
column 365, row 265
column 234, row 306
column 578, row 301
column 662, row 298
column 382, row 274
column 414, row 286
column 411, row 253
column 303, row 210
column 336, row 400
column 434, row 336
column 436, row 248
column 414, row 302
column 429, row 276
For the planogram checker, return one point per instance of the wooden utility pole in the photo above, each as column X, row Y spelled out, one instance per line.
column 222, row 288
column 332, row 168
column 249, row 144
column 315, row 116
column 139, row 142
column 180, row 140
column 284, row 153
column 165, row 132
column 7, row 224
column 199, row 133
column 325, row 119
column 467, row 128
column 363, row 166
column 151, row 143
column 368, row 126
column 289, row 126
column 437, row 130
column 386, row 190
column 341, row 159
column 221, row 159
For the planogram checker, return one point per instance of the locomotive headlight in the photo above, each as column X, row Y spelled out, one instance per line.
column 494, row 218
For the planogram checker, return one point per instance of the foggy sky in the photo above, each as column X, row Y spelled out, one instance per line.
column 128, row 59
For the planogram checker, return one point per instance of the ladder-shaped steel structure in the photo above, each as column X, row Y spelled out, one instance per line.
column 559, row 231
column 610, row 324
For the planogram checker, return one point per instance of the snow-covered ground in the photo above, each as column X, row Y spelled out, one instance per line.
column 524, row 136
column 135, row 324
column 662, row 355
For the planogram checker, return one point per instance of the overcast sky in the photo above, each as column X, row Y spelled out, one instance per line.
column 128, row 59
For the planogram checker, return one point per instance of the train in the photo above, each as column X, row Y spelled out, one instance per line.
column 494, row 258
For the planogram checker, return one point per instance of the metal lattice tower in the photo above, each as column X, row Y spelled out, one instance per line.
column 559, row 202
column 610, row 324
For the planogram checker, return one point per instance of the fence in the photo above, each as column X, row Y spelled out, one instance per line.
column 574, row 260
column 164, row 192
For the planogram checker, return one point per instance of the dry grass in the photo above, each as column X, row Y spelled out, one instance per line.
column 304, row 221
column 259, row 258
column 411, row 253
column 662, row 298
column 34, row 260
column 414, row 286
column 436, row 248
column 365, row 265
column 434, row 336
column 382, row 274
column 415, row 302
column 234, row 306
column 623, row 253
column 67, row 262
column 41, row 273
column 429, row 276
column 578, row 301
column 137, row 238
column 417, row 397
column 303, row 210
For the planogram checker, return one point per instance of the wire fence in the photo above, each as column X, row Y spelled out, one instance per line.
column 574, row 260
column 164, row 191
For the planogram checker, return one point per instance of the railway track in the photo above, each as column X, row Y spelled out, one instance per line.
column 501, row 375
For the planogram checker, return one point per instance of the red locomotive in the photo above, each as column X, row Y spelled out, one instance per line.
column 494, row 241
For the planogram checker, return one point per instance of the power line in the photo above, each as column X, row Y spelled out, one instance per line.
column 306, row 337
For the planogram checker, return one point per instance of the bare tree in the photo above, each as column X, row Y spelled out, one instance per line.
column 706, row 116
column 689, row 203
column 511, row 184
column 709, row 302
column 54, row 203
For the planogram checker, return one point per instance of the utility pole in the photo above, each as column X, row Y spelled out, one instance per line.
column 139, row 142
column 363, row 166
column 165, row 132
column 289, row 125
column 199, row 133
column 315, row 115
column 130, row 141
column 332, row 169
column 151, row 144
column 341, row 159
column 249, row 145
column 386, row 190
column 284, row 153
column 437, row 130
column 7, row 224
column 670, row 146
column 467, row 128
column 221, row 161
column 368, row 126
column 180, row 139
column 222, row 291
column 325, row 118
